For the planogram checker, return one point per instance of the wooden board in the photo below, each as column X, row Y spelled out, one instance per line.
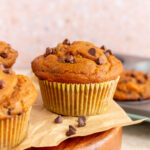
column 108, row 140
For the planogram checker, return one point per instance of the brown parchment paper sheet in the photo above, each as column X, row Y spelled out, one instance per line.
column 43, row 132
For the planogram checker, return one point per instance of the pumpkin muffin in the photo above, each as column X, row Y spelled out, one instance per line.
column 7, row 55
column 17, row 95
column 78, row 78
column 133, row 85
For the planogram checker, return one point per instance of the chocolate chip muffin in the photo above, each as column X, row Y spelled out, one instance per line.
column 79, row 62
column 77, row 78
column 17, row 94
column 133, row 85
column 7, row 55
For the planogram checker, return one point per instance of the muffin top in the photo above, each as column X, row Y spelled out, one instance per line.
column 79, row 62
column 7, row 55
column 133, row 85
column 17, row 94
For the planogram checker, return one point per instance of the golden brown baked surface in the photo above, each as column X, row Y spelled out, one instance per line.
column 133, row 85
column 17, row 94
column 7, row 55
column 79, row 62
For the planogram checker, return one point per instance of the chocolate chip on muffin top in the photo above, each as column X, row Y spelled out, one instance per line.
column 77, row 62
column 3, row 55
column 2, row 84
column 92, row 51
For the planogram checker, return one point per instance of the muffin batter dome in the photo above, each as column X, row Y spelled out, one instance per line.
column 7, row 55
column 17, row 94
column 79, row 62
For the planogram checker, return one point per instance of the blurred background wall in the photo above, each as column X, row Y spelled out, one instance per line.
column 32, row 25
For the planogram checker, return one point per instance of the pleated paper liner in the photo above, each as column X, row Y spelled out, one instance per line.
column 13, row 130
column 77, row 99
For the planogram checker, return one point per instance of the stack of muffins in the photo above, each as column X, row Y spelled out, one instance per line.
column 77, row 78
column 17, row 94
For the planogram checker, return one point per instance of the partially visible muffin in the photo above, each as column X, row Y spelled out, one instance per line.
column 133, row 85
column 77, row 78
column 7, row 55
column 17, row 95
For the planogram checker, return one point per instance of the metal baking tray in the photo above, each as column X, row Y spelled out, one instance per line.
column 136, row 109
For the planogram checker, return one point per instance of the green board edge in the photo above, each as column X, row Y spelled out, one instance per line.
column 137, row 117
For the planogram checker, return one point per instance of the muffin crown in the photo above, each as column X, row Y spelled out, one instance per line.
column 133, row 85
column 79, row 62
column 7, row 55
column 17, row 93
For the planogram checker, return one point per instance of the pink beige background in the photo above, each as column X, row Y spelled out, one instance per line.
column 32, row 25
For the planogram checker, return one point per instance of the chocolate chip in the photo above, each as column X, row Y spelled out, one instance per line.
column 3, row 55
column 70, row 59
column 81, row 121
column 7, row 71
column 48, row 51
column 6, row 66
column 99, row 61
column 108, row 52
column 140, row 81
column 66, row 42
column 20, row 113
column 140, row 97
column 9, row 112
column 92, row 51
column 133, row 75
column 146, row 76
column 58, row 119
column 103, row 47
column 2, row 84
column 71, row 131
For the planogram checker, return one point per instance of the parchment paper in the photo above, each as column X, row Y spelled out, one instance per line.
column 43, row 132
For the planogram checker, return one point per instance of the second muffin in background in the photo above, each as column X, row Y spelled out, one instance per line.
column 133, row 85
column 77, row 79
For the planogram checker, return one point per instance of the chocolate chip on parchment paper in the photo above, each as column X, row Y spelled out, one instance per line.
column 2, row 84
column 4, row 55
column 108, row 52
column 92, row 51
column 99, row 61
column 71, row 131
column 58, row 119
column 81, row 121
column 66, row 42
